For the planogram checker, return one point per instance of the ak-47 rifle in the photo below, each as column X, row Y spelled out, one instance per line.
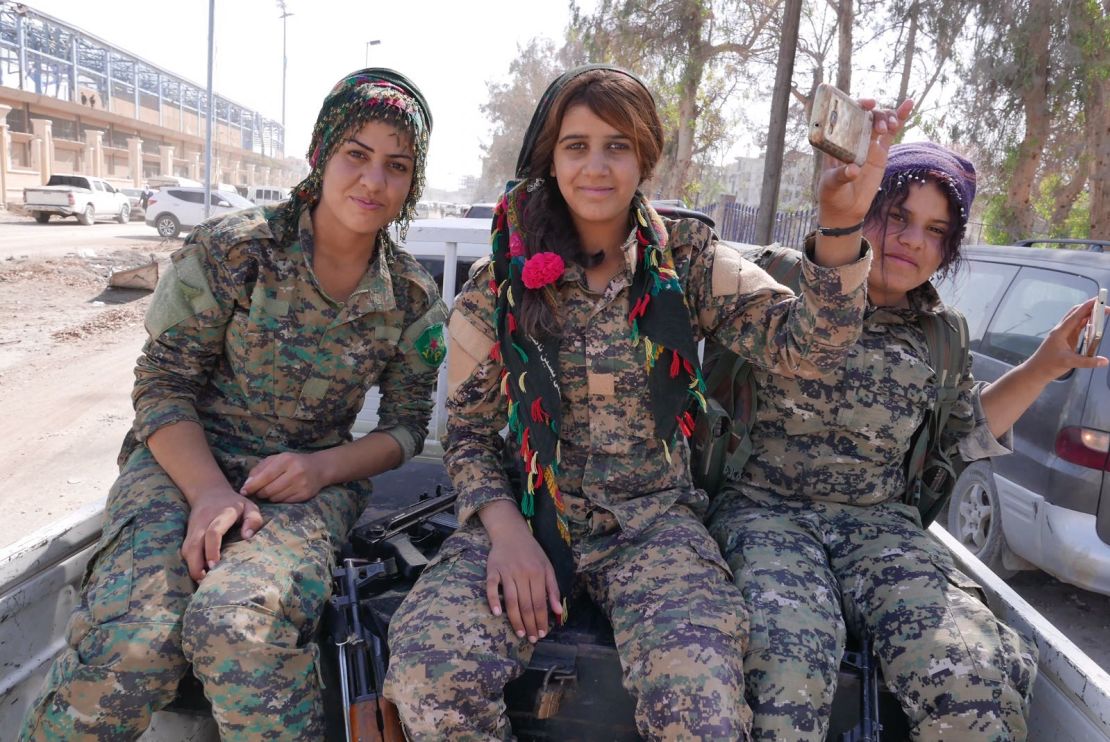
column 870, row 727
column 360, row 638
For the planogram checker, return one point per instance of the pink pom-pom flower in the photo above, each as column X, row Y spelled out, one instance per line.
column 516, row 245
column 541, row 269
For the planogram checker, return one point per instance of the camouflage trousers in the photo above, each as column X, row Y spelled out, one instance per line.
column 247, row 628
column 677, row 619
column 809, row 569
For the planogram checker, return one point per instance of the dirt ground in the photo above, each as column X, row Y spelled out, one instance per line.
column 67, row 350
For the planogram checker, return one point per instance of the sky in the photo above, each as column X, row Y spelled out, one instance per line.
column 450, row 49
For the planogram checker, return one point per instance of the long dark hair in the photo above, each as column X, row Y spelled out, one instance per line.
column 626, row 105
column 894, row 191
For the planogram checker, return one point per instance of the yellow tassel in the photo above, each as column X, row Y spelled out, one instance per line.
column 505, row 385
column 528, row 483
column 563, row 532
column 549, row 478
column 666, row 451
column 640, row 217
column 533, row 465
column 520, row 381
column 510, row 293
column 558, row 452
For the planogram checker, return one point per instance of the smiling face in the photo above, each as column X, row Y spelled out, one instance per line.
column 910, row 244
column 367, row 180
column 598, row 172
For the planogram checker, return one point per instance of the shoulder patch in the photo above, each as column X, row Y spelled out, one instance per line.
column 249, row 224
column 430, row 345
column 727, row 265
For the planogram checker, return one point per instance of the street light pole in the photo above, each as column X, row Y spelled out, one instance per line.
column 369, row 44
column 208, row 118
column 284, row 60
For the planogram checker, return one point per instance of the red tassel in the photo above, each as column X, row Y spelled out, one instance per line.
column 525, row 451
column 538, row 413
column 688, row 366
column 676, row 364
column 495, row 352
column 512, row 322
column 639, row 308
column 686, row 424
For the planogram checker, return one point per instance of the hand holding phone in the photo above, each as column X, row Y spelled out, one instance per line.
column 839, row 126
column 1095, row 325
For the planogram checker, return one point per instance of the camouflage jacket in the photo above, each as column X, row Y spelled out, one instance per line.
column 243, row 340
column 844, row 437
column 610, row 455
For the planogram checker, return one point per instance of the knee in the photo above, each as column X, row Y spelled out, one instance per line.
column 690, row 681
column 212, row 628
column 443, row 694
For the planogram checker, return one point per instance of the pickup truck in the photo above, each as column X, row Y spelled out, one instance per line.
column 573, row 690
column 82, row 196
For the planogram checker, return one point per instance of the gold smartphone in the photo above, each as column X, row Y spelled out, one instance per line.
column 1095, row 325
column 839, row 126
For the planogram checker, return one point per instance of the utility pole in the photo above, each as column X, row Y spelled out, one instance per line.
column 208, row 128
column 284, row 60
column 369, row 44
column 776, row 134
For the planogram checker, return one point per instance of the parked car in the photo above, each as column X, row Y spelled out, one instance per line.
column 1047, row 505
column 135, row 195
column 480, row 211
column 82, row 196
column 265, row 195
column 169, row 210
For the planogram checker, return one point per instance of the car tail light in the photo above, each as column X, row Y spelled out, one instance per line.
column 1084, row 446
column 151, row 200
column 72, row 200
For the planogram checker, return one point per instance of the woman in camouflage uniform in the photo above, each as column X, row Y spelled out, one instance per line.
column 816, row 531
column 265, row 334
column 580, row 334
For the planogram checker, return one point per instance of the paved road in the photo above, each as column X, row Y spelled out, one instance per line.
column 22, row 236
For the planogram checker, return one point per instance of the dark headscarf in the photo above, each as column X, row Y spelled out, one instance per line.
column 658, row 321
column 372, row 94
column 919, row 159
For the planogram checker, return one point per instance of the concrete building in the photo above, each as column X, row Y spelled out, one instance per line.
column 73, row 103
column 743, row 178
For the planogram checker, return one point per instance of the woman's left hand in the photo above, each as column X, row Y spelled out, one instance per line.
column 285, row 477
column 1056, row 355
column 845, row 192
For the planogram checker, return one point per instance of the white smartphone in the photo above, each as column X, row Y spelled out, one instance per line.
column 839, row 126
column 1095, row 325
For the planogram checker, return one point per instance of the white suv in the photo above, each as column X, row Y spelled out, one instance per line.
column 174, row 207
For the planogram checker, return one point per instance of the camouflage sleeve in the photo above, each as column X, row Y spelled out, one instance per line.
column 185, row 324
column 475, row 409
column 967, row 427
column 742, row 307
column 408, row 380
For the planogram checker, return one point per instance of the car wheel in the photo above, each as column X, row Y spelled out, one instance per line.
column 88, row 216
column 975, row 517
column 42, row 217
column 167, row 225
column 124, row 214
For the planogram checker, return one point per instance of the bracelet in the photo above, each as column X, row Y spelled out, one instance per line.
column 840, row 231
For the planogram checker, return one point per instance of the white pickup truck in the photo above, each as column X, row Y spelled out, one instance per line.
column 40, row 578
column 82, row 196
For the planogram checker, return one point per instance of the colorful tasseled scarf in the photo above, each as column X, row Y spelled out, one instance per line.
column 658, row 322
column 372, row 94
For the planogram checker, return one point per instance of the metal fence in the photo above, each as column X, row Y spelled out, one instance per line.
column 736, row 223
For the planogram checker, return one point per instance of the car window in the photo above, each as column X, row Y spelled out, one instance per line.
column 192, row 197
column 479, row 212
column 1036, row 301
column 975, row 290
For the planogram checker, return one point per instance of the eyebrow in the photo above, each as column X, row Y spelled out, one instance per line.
column 611, row 137
column 368, row 148
column 903, row 210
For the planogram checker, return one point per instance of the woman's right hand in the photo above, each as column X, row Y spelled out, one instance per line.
column 519, row 569
column 211, row 516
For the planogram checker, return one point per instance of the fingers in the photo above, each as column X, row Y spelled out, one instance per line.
column 261, row 475
column 192, row 551
column 539, row 607
column 527, row 609
column 252, row 520
column 493, row 597
column 553, row 592
column 214, row 534
column 512, row 607
column 280, row 489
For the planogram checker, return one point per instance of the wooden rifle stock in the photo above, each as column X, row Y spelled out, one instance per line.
column 375, row 720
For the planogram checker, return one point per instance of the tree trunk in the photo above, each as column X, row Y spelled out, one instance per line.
column 1098, row 144
column 845, row 19
column 1018, row 206
column 907, row 63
